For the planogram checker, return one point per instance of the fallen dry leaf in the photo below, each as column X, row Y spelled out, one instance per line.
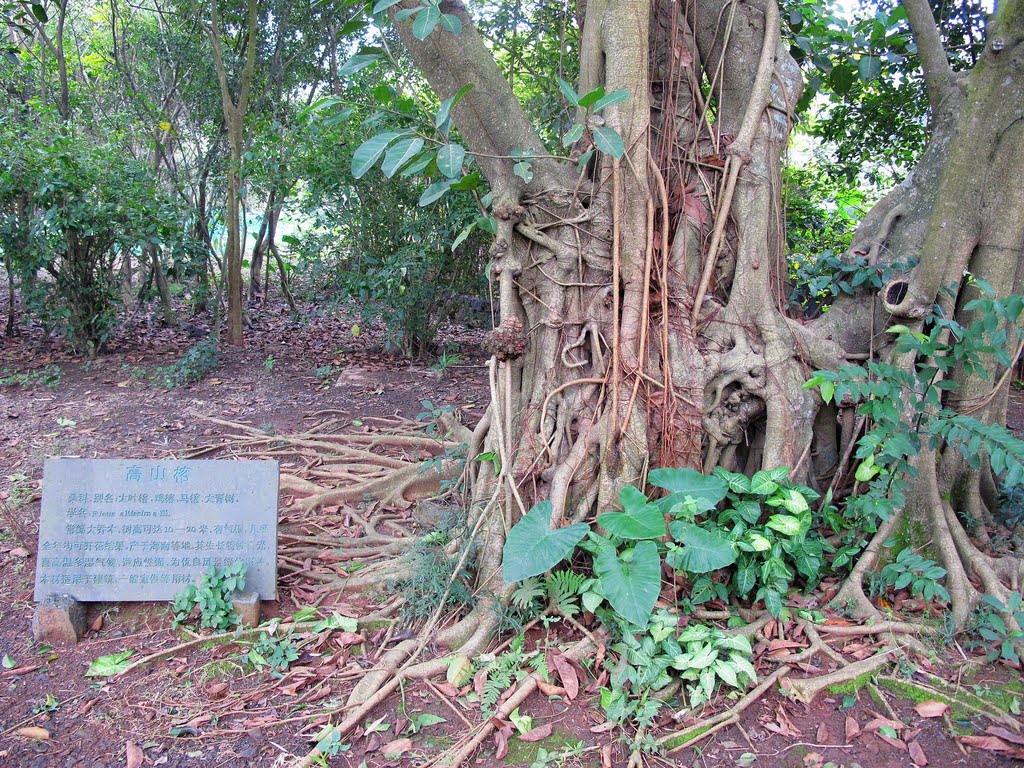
column 133, row 755
column 539, row 733
column 501, row 736
column 396, row 747
column 566, row 673
column 917, row 754
column 931, row 708
column 19, row 552
column 40, row 734
column 1005, row 734
column 990, row 743
column 216, row 690
column 852, row 729
column 345, row 639
column 550, row 690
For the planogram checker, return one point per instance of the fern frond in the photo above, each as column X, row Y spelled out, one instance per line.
column 527, row 594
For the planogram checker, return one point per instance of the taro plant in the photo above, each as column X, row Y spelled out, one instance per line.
column 761, row 534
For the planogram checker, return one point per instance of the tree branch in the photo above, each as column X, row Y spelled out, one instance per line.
column 489, row 117
column 937, row 72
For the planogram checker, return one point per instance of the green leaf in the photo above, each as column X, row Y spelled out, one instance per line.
column 573, row 135
column 468, row 183
column 369, row 152
column 787, row 525
column 772, row 601
column 689, row 482
column 107, row 666
column 435, row 191
column 358, row 62
column 533, row 547
column 869, row 67
column 592, row 97
column 607, row 140
column 452, row 23
column 615, row 97
column 762, row 484
column 40, row 13
column 426, row 21
column 703, row 551
column 445, row 109
column 450, row 158
column 522, row 170
column 746, row 579
column 569, row 92
column 400, row 154
column 867, row 469
column 418, row 165
column 632, row 587
column 383, row 5
column 461, row 238
column 639, row 520
column 827, row 391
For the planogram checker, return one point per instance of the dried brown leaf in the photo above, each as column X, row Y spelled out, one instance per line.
column 990, row 743
column 539, row 733
column 852, row 729
column 931, row 708
column 33, row 732
column 1005, row 734
column 396, row 747
column 917, row 754
column 133, row 755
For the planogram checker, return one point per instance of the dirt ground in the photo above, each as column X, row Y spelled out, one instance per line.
column 206, row 706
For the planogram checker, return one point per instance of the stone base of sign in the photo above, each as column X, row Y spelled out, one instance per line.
column 58, row 620
column 247, row 606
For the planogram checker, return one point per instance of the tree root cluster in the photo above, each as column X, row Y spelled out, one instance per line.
column 319, row 554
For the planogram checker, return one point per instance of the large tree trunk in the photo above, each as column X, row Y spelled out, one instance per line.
column 642, row 301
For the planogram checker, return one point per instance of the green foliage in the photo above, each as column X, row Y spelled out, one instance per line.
column 48, row 376
column 989, row 621
column 916, row 573
column 558, row 591
column 762, row 539
column 906, row 408
column 108, row 666
column 501, row 672
column 702, row 657
column 874, row 116
column 211, row 597
column 409, row 268
column 70, row 211
column 273, row 652
column 198, row 362
column 764, row 533
column 533, row 547
column 436, row 577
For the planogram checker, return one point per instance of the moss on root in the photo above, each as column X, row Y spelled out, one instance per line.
column 685, row 737
column 526, row 752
